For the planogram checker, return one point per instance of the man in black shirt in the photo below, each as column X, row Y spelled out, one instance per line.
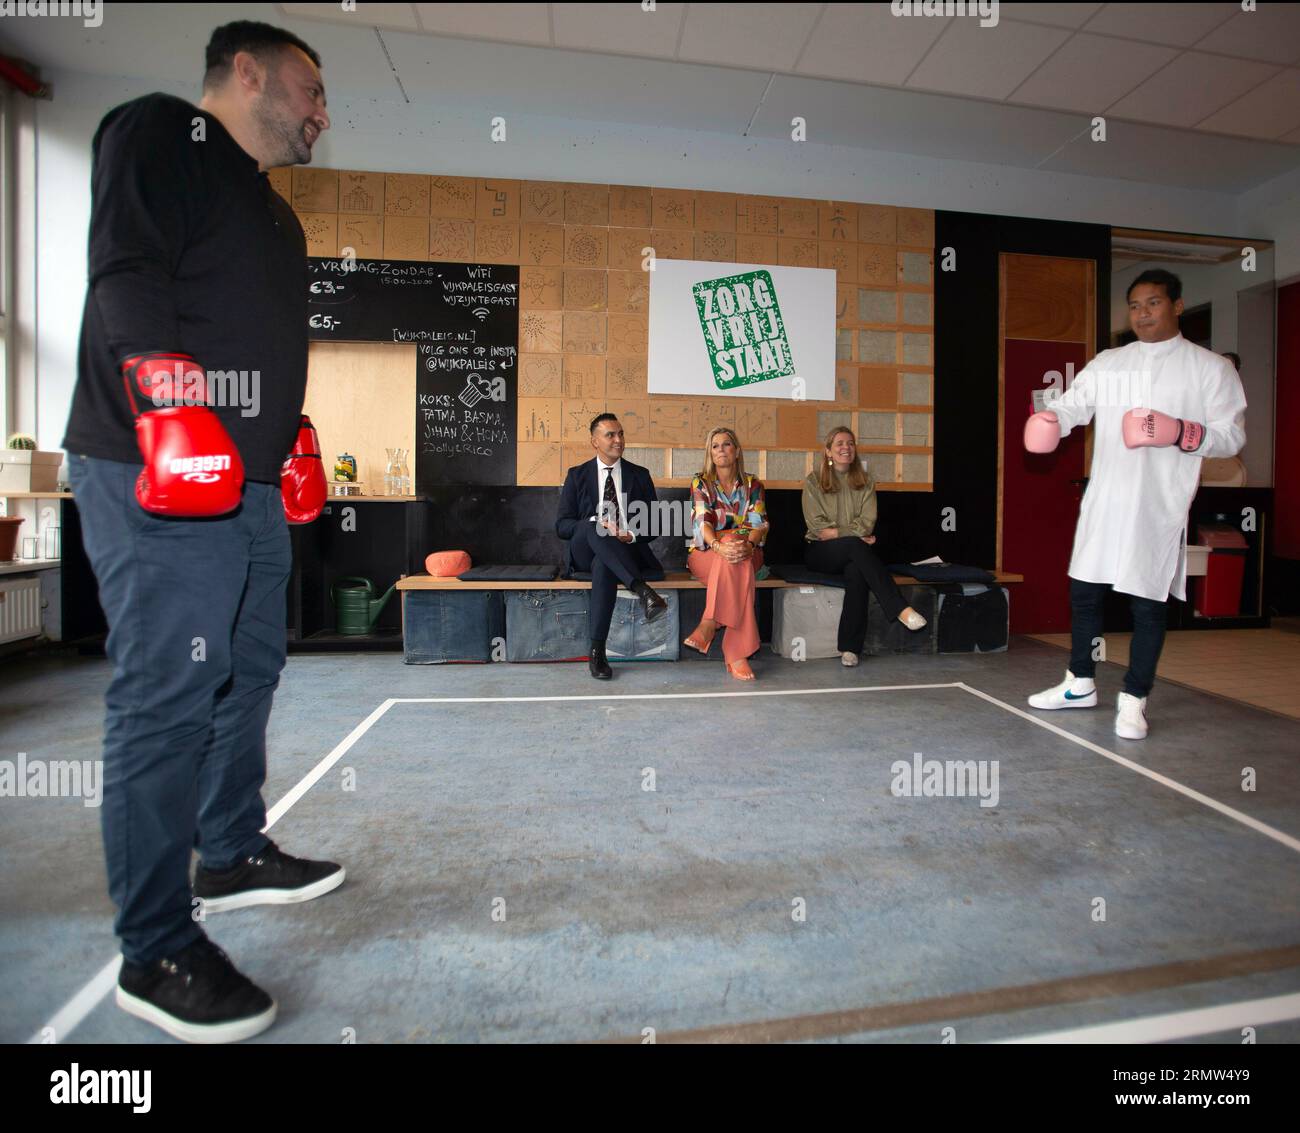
column 196, row 265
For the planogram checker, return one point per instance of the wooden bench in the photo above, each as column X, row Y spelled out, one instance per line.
column 675, row 580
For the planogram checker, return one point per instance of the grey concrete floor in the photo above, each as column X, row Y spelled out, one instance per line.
column 626, row 908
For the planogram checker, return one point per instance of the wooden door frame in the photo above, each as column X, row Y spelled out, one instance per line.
column 1090, row 351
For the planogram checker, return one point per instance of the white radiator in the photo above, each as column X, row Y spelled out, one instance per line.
column 20, row 608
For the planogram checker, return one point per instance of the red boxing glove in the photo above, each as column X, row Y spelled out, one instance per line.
column 192, row 468
column 1042, row 432
column 1148, row 427
column 302, row 476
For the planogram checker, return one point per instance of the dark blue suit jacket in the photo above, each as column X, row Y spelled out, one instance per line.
column 579, row 500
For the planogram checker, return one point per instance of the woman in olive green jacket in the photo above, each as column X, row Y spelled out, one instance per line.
column 839, row 506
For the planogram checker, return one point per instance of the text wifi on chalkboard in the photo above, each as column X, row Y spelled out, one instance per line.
column 410, row 301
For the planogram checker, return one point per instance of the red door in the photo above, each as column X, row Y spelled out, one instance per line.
column 1040, row 492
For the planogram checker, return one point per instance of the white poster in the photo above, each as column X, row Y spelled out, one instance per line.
column 742, row 330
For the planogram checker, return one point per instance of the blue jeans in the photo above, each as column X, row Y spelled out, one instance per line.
column 196, row 637
column 1086, row 615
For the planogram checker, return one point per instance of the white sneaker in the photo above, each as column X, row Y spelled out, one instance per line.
column 848, row 660
column 1073, row 692
column 1131, row 717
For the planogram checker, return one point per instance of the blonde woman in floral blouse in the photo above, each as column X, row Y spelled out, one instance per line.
column 730, row 527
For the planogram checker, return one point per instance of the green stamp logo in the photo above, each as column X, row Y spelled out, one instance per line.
column 743, row 329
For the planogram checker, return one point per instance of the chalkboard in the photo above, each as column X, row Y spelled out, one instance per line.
column 464, row 321
column 409, row 300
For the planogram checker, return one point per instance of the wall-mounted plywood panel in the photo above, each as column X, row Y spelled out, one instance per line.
column 584, row 291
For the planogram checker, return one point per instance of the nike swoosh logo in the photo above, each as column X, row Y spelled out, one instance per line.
column 1082, row 696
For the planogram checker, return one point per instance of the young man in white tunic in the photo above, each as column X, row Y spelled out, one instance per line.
column 1162, row 405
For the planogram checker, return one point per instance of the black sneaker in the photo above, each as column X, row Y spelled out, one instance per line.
column 197, row 996
column 269, row 877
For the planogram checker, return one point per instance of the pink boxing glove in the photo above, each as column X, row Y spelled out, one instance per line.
column 1148, row 427
column 1042, row 432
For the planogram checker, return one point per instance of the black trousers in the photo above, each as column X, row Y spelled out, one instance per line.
column 610, row 562
column 864, row 570
column 1149, row 620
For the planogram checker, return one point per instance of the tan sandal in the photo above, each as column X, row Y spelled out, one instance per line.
column 741, row 674
column 692, row 642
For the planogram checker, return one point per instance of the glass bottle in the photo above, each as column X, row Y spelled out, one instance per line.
column 393, row 473
column 404, row 488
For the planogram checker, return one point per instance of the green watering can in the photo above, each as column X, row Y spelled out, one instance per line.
column 355, row 606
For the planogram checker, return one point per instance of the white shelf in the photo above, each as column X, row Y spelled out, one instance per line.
column 20, row 565
column 35, row 495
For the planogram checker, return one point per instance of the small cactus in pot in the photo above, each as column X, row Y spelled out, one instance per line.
column 22, row 441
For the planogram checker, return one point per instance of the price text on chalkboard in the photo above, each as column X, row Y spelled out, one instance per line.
column 464, row 319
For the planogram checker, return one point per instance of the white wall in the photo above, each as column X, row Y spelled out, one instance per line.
column 373, row 134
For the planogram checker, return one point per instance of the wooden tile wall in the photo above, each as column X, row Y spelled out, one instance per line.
column 584, row 299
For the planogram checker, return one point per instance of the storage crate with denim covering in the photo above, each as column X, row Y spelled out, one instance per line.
column 441, row 626
column 631, row 639
column 547, row 625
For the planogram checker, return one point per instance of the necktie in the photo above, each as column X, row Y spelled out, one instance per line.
column 609, row 509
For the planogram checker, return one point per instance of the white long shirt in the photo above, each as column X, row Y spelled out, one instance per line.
column 1133, row 522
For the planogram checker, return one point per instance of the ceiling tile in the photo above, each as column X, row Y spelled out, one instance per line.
column 867, row 43
column 1179, row 25
column 398, row 17
column 625, row 29
column 574, row 84
column 1133, row 152
column 1269, row 111
column 764, row 36
column 933, row 125
column 985, row 62
column 1059, row 15
column 1191, row 88
column 1271, row 33
column 513, row 23
column 1090, row 72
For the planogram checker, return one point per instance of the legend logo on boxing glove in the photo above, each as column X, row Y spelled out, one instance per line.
column 192, row 468
column 1151, row 428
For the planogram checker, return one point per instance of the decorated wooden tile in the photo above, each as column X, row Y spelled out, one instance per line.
column 360, row 191
column 586, row 204
column 584, row 332
column 538, row 465
column 541, row 202
column 455, row 197
column 496, row 242
column 451, row 241
column 406, row 238
column 363, row 233
column 540, row 375
column 541, row 288
column 629, row 206
column 497, row 200
column 315, row 190
column 584, row 289
column 541, row 243
column 406, row 194
column 584, row 377
column 541, row 332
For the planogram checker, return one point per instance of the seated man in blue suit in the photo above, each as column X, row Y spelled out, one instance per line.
column 593, row 518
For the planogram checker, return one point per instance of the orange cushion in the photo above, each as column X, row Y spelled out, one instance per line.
column 447, row 564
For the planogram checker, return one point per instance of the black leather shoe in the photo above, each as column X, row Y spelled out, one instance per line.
column 653, row 605
column 597, row 663
column 269, row 877
column 196, row 995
